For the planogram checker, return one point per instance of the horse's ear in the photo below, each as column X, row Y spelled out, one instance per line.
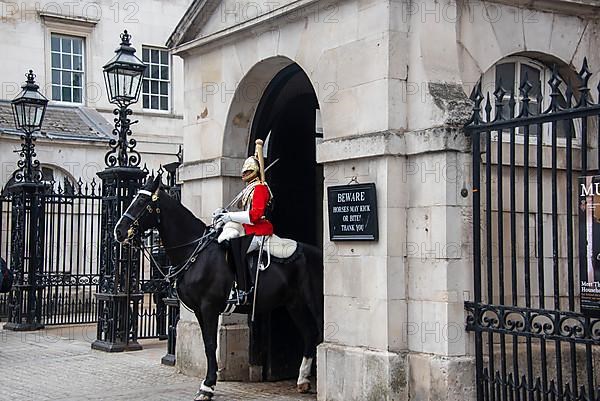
column 157, row 182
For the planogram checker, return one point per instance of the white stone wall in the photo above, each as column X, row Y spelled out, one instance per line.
column 401, row 73
column 25, row 44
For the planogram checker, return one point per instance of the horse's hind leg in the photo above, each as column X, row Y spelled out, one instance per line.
column 301, row 316
column 209, row 321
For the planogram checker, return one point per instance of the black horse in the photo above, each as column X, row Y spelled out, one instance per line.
column 205, row 277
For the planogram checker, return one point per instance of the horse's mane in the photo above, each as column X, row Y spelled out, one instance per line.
column 184, row 214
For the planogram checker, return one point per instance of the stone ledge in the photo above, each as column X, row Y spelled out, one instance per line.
column 232, row 353
column 437, row 139
column 438, row 378
column 211, row 168
column 583, row 8
column 190, row 358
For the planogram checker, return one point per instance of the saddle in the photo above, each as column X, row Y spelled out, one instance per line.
column 246, row 263
column 281, row 248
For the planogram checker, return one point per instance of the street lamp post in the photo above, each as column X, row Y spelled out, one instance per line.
column 123, row 76
column 29, row 109
column 119, row 294
column 27, row 208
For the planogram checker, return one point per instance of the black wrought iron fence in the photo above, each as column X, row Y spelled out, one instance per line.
column 533, row 339
column 64, row 289
column 71, row 237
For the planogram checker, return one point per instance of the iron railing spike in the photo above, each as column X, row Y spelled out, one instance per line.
column 512, row 102
column 499, row 94
column 584, row 75
column 524, row 89
column 477, row 98
column 555, row 81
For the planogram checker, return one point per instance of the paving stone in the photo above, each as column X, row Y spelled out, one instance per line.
column 60, row 365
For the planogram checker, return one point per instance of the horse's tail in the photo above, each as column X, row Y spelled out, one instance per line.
column 314, row 291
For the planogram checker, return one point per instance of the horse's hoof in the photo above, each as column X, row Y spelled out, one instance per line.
column 203, row 396
column 304, row 388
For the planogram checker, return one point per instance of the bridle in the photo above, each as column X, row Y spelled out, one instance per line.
column 174, row 272
column 135, row 221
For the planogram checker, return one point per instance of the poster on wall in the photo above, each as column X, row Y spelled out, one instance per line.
column 589, row 244
column 353, row 212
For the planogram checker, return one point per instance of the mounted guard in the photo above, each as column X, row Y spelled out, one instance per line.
column 203, row 277
column 246, row 231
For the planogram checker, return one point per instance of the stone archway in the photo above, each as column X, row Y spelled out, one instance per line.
column 277, row 96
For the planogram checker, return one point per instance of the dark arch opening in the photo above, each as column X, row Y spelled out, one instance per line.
column 287, row 109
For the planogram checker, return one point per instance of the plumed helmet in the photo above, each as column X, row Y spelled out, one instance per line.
column 250, row 165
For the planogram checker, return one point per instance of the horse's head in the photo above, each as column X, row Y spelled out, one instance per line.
column 142, row 214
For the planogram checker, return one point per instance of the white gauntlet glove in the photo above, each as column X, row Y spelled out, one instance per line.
column 239, row 217
column 225, row 218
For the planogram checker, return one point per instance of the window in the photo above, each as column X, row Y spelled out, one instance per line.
column 512, row 72
column 67, row 68
column 156, row 84
column 57, row 180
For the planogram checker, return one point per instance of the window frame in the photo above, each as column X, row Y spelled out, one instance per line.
column 84, row 57
column 489, row 85
column 69, row 27
column 169, row 81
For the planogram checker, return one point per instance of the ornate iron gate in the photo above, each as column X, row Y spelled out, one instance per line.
column 532, row 340
column 70, row 275
column 68, row 279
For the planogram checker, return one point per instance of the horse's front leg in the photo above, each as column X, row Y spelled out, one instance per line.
column 209, row 321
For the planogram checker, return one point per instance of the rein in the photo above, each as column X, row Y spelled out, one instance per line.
column 174, row 272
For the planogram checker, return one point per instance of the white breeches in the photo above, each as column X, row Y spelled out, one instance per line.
column 231, row 229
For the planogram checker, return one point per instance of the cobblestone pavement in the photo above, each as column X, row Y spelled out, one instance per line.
column 58, row 364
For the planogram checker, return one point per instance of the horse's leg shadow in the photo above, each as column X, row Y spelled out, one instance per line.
column 305, row 322
column 208, row 321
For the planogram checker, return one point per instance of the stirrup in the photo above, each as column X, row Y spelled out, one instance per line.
column 239, row 297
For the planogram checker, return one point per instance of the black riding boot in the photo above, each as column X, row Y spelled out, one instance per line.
column 238, row 248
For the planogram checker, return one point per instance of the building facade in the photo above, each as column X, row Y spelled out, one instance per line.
column 368, row 92
column 66, row 44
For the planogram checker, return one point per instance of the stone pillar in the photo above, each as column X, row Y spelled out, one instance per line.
column 363, row 355
column 394, row 314
column 437, row 176
column 394, row 309
column 439, row 267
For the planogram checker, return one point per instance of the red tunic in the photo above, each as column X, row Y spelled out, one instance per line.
column 260, row 225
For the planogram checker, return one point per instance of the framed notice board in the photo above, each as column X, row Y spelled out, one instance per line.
column 589, row 245
column 352, row 211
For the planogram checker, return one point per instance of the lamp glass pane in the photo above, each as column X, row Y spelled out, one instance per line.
column 136, row 83
column 111, row 84
column 28, row 116
column 126, row 84
column 18, row 114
